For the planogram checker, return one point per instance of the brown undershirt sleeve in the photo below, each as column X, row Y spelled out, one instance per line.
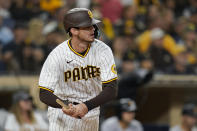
column 109, row 93
column 49, row 98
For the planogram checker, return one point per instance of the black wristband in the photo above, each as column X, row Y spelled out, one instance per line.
column 89, row 105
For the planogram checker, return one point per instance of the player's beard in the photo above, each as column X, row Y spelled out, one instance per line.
column 86, row 38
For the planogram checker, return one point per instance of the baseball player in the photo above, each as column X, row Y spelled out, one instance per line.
column 125, row 119
column 189, row 118
column 81, row 73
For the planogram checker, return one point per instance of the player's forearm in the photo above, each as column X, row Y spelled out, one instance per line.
column 109, row 93
column 49, row 98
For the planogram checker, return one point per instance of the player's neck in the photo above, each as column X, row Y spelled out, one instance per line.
column 79, row 46
column 123, row 124
column 185, row 127
column 25, row 117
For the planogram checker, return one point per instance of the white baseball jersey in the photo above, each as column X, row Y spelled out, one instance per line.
column 77, row 78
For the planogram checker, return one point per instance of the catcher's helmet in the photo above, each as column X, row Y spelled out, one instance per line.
column 190, row 109
column 126, row 105
column 79, row 17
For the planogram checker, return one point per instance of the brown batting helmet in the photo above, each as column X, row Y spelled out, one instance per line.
column 79, row 17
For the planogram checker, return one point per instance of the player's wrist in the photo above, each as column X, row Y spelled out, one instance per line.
column 89, row 105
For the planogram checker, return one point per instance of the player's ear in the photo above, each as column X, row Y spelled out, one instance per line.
column 74, row 31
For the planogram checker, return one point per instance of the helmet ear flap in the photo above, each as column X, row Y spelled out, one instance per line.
column 119, row 112
column 96, row 31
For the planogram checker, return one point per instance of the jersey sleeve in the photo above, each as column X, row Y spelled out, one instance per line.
column 108, row 67
column 49, row 75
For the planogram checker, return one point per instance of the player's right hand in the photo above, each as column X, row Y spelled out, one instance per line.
column 80, row 110
column 70, row 110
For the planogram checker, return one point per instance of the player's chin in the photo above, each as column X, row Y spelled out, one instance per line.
column 91, row 39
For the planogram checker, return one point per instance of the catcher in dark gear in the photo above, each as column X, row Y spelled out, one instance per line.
column 125, row 120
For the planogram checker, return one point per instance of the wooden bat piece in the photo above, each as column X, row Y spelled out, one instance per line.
column 65, row 105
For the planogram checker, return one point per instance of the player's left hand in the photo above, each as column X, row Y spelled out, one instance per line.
column 80, row 110
column 70, row 110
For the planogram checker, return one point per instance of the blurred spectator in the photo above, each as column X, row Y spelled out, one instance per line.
column 7, row 20
column 168, row 16
column 71, row 3
column 136, row 70
column 4, row 6
column 13, row 52
column 51, row 5
column 189, row 118
column 6, row 34
column 38, row 58
column 128, row 66
column 2, row 64
column 24, row 54
column 130, row 82
column 108, row 29
column 119, row 47
column 179, row 6
column 144, row 40
column 124, row 119
column 26, row 60
column 193, row 17
column 83, row 3
column 34, row 6
column 146, row 62
column 143, row 5
column 59, row 16
column 35, row 28
column 53, row 37
column 188, row 10
column 114, row 12
column 151, row 15
column 181, row 65
column 110, row 16
column 190, row 39
column 96, row 10
column 22, row 116
column 179, row 29
column 153, row 12
column 128, row 22
column 132, row 54
column 3, row 114
column 170, row 4
column 19, row 11
column 127, row 2
column 160, row 56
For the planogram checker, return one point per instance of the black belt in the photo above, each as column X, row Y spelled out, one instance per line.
column 74, row 103
column 68, row 102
